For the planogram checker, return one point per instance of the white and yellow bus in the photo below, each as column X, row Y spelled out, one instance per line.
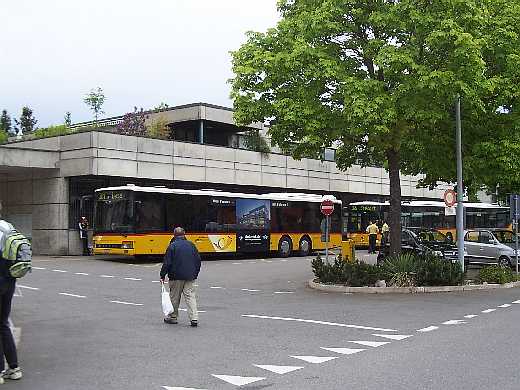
column 139, row 221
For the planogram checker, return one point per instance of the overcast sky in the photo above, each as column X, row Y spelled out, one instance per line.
column 52, row 52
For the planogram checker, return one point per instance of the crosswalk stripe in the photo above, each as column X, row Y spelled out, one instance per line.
column 516, row 301
column 471, row 316
column 505, row 305
column 344, row 351
column 278, row 369
column 373, row 344
column 238, row 380
column 488, row 311
column 28, row 288
column 428, row 329
column 454, row 322
column 315, row 359
column 397, row 337
column 72, row 295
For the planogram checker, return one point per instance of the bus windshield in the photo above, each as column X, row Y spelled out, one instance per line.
column 114, row 212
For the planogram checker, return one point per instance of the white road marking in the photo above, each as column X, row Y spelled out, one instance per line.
column 198, row 311
column 320, row 323
column 278, row 369
column 238, row 380
column 315, row 359
column 373, row 344
column 397, row 337
column 471, row 316
column 28, row 288
column 284, row 292
column 428, row 329
column 39, row 268
column 269, row 261
column 284, row 260
column 127, row 303
column 107, row 276
column 59, row 270
column 81, row 273
column 180, row 388
column 516, row 301
column 72, row 295
column 249, row 290
column 488, row 311
column 505, row 305
column 454, row 322
column 237, row 263
column 344, row 351
column 217, row 287
column 137, row 279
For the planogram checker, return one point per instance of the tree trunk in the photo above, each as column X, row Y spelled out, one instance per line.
column 395, row 201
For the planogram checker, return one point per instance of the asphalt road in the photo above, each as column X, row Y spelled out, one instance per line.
column 89, row 323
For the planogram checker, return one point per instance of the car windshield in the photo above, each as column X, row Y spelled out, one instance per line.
column 114, row 213
column 431, row 236
column 505, row 236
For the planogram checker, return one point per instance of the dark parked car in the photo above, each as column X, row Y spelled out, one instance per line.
column 423, row 241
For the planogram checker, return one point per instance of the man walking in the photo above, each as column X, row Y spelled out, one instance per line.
column 182, row 265
column 372, row 231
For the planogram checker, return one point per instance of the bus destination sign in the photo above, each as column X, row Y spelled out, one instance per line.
column 110, row 195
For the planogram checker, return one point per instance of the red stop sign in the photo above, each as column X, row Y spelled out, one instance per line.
column 327, row 207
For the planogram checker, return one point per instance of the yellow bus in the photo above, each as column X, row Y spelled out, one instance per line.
column 139, row 221
column 424, row 214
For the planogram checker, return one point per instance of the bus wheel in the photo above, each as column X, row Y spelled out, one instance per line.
column 305, row 247
column 285, row 247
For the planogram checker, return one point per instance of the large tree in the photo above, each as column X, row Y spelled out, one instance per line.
column 5, row 122
column 95, row 100
column 27, row 122
column 378, row 79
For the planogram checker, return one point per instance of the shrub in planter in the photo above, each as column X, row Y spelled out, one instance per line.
column 496, row 274
column 400, row 270
column 328, row 273
column 436, row 271
column 354, row 274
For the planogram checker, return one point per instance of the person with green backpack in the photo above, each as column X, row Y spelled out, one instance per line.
column 10, row 246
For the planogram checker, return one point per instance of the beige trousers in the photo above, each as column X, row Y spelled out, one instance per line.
column 187, row 289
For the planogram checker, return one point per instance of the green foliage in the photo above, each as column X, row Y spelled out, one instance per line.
column 133, row 123
column 354, row 274
column 496, row 274
column 5, row 122
column 52, row 131
column 401, row 270
column 254, row 141
column 67, row 119
column 95, row 100
column 27, row 123
column 436, row 271
column 3, row 136
column 380, row 78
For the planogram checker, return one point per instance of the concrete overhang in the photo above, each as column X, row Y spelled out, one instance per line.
column 22, row 158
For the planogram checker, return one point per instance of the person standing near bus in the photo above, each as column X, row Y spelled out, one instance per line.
column 372, row 231
column 83, row 235
column 182, row 265
column 385, row 232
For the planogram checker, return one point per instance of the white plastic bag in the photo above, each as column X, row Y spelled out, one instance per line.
column 167, row 306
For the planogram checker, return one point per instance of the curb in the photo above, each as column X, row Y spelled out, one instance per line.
column 334, row 288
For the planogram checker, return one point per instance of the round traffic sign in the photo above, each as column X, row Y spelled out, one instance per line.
column 327, row 207
column 450, row 198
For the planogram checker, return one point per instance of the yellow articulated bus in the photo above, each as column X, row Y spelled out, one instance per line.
column 139, row 221
column 424, row 214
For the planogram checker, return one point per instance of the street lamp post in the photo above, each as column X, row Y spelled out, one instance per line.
column 460, row 204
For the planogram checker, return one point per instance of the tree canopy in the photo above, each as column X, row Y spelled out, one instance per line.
column 378, row 79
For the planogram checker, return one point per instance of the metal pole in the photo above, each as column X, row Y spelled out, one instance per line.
column 516, row 245
column 327, row 240
column 460, row 204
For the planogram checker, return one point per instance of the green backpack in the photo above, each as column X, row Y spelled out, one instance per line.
column 18, row 254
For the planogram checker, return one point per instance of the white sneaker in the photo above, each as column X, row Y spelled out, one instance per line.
column 13, row 373
column 2, row 378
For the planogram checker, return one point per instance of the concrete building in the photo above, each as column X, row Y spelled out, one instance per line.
column 43, row 181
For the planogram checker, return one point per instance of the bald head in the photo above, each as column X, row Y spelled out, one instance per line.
column 178, row 232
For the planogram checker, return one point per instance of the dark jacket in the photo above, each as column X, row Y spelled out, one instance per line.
column 182, row 261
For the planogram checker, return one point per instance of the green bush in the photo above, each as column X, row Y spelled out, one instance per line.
column 51, row 131
column 496, row 274
column 354, row 274
column 401, row 270
column 436, row 271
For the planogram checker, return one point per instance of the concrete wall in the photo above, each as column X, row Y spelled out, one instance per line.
column 37, row 204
